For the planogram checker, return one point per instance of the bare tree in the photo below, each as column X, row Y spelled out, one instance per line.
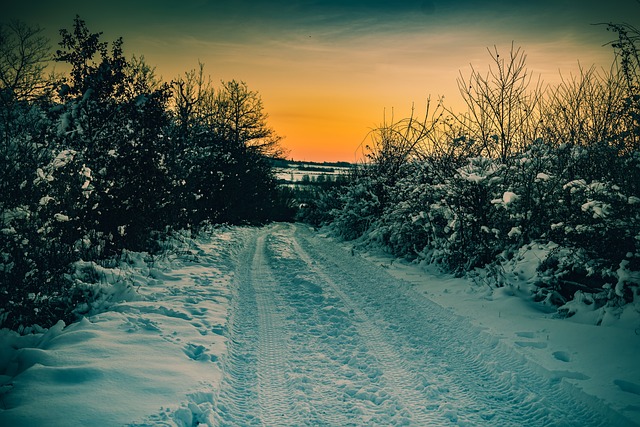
column 394, row 143
column 627, row 54
column 24, row 56
column 450, row 145
column 193, row 100
column 141, row 77
column 502, row 110
column 240, row 118
column 627, row 50
column 233, row 113
column 582, row 109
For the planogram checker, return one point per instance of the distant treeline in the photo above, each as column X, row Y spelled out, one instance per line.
column 309, row 166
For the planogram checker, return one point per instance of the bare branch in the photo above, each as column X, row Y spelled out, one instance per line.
column 24, row 56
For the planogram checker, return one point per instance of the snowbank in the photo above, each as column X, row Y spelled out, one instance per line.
column 600, row 360
column 143, row 354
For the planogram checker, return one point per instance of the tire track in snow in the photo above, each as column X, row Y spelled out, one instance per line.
column 321, row 345
column 320, row 338
column 397, row 374
column 254, row 390
column 470, row 377
column 354, row 376
column 274, row 393
column 235, row 402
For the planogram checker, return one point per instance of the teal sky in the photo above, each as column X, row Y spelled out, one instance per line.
column 328, row 70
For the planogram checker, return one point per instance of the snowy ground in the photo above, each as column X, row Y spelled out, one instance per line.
column 154, row 351
column 293, row 174
column 280, row 326
column 602, row 361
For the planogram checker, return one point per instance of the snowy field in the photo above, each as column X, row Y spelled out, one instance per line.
column 296, row 173
column 282, row 326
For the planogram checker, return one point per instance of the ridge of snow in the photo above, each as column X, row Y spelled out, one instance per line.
column 144, row 353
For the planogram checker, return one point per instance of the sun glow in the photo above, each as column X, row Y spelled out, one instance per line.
column 328, row 73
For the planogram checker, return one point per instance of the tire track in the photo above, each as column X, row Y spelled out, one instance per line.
column 254, row 390
column 274, row 394
column 236, row 400
column 322, row 344
column 318, row 337
column 397, row 374
column 473, row 377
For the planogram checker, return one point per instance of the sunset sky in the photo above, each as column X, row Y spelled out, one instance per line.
column 329, row 70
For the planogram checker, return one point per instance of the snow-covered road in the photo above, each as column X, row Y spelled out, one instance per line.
column 321, row 337
column 279, row 326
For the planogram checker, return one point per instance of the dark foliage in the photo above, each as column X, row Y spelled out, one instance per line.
column 108, row 162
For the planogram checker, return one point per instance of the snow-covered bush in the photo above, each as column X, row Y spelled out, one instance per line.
column 360, row 206
column 474, row 224
column 33, row 286
column 117, row 127
column 516, row 172
column 404, row 228
column 485, row 213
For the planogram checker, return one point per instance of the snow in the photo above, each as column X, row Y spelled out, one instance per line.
column 10, row 215
column 509, row 197
column 45, row 200
column 599, row 209
column 514, row 232
column 283, row 326
column 63, row 158
column 599, row 360
column 574, row 185
column 149, row 350
column 60, row 217
column 296, row 174
column 42, row 177
column 625, row 276
column 472, row 177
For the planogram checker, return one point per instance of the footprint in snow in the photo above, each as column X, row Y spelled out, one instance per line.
column 525, row 334
column 219, row 329
column 628, row 386
column 134, row 324
column 531, row 344
column 562, row 356
column 198, row 352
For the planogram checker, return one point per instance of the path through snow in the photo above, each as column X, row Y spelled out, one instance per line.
column 320, row 337
column 275, row 326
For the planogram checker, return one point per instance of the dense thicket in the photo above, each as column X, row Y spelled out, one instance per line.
column 558, row 168
column 109, row 159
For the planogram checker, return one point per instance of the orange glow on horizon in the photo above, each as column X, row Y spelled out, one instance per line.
column 326, row 81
